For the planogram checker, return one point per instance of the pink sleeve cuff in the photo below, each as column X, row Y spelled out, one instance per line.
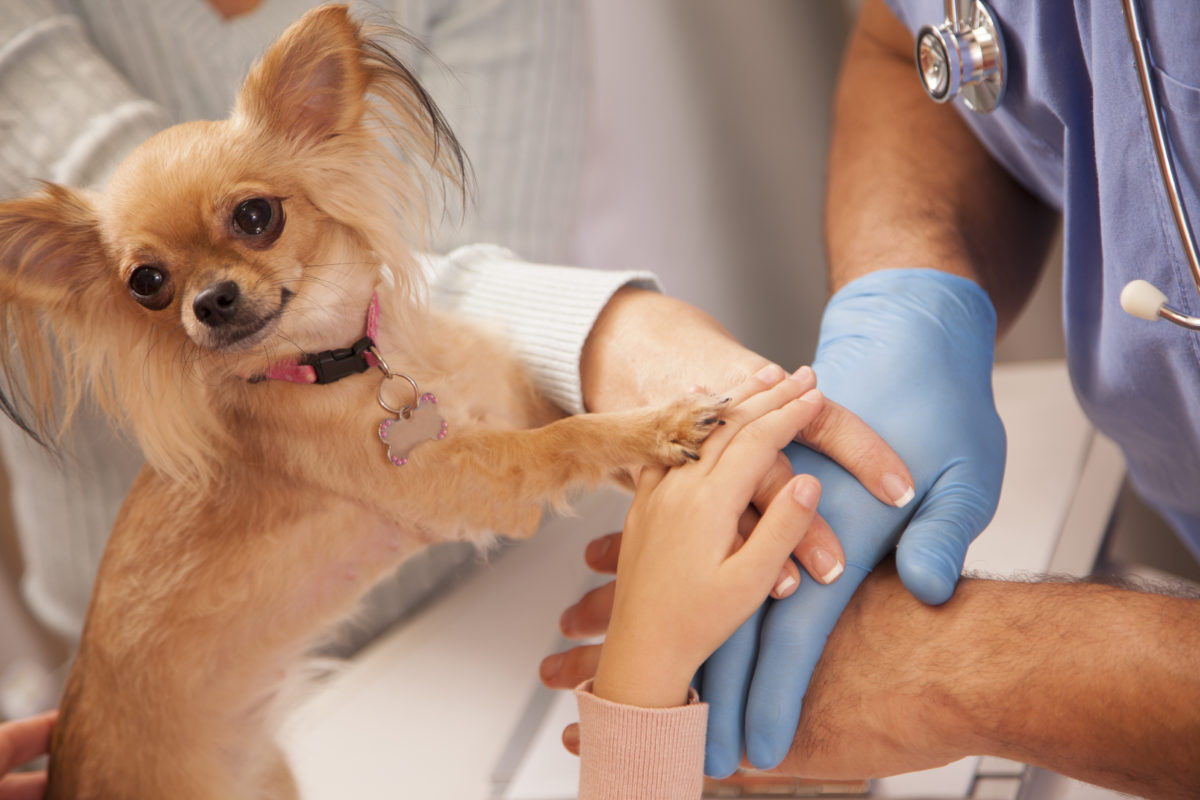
column 631, row 753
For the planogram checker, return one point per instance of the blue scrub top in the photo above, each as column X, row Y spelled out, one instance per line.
column 1072, row 129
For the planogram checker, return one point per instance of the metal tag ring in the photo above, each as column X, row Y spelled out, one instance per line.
column 404, row 411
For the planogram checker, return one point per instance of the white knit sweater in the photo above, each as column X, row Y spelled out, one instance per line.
column 84, row 81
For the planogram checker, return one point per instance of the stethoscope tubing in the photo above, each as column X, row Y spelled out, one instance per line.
column 1166, row 164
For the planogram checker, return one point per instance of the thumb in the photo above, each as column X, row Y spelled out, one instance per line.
column 933, row 547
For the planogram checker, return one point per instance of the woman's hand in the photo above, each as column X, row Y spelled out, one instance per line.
column 685, row 580
column 22, row 741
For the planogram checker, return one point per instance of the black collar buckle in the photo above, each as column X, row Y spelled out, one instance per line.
column 333, row 365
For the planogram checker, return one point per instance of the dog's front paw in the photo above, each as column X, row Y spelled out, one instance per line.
column 685, row 424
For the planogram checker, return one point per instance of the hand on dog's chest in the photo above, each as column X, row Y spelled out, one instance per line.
column 412, row 427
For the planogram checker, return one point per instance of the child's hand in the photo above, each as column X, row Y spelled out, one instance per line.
column 683, row 584
column 22, row 741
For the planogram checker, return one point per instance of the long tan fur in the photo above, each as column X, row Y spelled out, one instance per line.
column 268, row 508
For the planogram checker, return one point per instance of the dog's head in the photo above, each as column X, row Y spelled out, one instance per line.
column 219, row 247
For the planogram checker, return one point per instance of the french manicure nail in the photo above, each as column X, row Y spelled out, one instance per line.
column 898, row 490
column 824, row 565
column 771, row 374
column 785, row 583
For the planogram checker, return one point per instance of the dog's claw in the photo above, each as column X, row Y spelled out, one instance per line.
column 684, row 425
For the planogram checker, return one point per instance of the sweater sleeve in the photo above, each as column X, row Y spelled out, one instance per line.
column 66, row 114
column 631, row 753
column 546, row 311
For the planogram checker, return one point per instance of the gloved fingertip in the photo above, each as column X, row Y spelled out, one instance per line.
column 720, row 762
column 929, row 582
column 767, row 751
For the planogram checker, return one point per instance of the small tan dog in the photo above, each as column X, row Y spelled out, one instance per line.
column 222, row 253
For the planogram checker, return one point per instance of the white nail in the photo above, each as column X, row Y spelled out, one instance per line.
column 898, row 490
column 832, row 574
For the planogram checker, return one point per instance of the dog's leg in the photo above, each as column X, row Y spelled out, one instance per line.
column 500, row 480
column 200, row 614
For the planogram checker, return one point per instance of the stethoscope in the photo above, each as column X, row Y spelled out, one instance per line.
column 964, row 56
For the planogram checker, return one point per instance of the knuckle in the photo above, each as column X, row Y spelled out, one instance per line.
column 839, row 434
column 776, row 477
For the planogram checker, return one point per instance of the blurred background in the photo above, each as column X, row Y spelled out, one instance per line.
column 705, row 164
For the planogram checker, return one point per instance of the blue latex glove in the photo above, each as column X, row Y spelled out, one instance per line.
column 910, row 351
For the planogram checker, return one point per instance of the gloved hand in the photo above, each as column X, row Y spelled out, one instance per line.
column 910, row 351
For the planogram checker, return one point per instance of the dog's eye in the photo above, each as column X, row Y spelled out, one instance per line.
column 253, row 216
column 150, row 286
column 259, row 218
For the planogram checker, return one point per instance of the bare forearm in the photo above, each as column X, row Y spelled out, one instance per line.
column 1093, row 682
column 910, row 186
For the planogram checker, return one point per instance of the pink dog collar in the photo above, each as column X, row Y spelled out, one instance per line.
column 328, row 366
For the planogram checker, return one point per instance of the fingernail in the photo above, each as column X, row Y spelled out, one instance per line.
column 566, row 619
column 805, row 375
column 550, row 666
column 785, row 583
column 570, row 738
column 898, row 490
column 826, row 567
column 771, row 374
column 812, row 396
column 807, row 493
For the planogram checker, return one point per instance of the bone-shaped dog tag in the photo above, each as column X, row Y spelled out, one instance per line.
column 413, row 427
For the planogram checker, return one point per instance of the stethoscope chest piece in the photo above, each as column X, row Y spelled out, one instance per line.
column 963, row 56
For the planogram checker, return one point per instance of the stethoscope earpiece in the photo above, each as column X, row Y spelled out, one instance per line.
column 1142, row 299
column 1145, row 300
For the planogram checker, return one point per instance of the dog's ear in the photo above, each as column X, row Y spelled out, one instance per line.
column 50, row 248
column 309, row 85
column 51, row 262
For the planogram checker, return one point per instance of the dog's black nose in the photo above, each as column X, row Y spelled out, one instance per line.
column 217, row 304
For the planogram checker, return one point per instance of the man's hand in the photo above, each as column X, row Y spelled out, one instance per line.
column 22, row 741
